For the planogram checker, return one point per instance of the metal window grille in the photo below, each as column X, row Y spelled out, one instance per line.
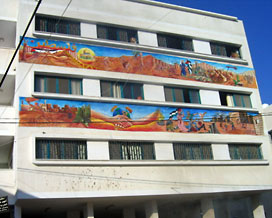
column 131, row 150
column 189, row 151
column 57, row 25
column 61, row 149
column 245, row 152
column 176, row 42
column 114, row 33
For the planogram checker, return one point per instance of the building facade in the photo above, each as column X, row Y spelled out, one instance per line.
column 133, row 109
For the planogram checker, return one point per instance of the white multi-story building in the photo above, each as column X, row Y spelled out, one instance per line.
column 131, row 108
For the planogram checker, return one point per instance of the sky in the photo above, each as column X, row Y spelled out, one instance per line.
column 257, row 19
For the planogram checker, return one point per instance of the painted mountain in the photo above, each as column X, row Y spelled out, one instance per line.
column 58, row 53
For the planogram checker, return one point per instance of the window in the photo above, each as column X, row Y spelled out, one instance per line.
column 122, row 90
column 237, row 100
column 225, row 50
column 177, row 42
column 191, row 151
column 57, row 25
column 61, row 85
column 131, row 151
column 61, row 149
column 115, row 33
column 245, row 152
column 182, row 95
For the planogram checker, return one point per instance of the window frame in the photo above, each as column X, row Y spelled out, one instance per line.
column 122, row 85
column 57, row 78
column 114, row 30
column 230, row 50
column 223, row 97
column 40, row 156
column 192, row 148
column 169, row 38
column 186, row 94
column 129, row 148
column 236, row 148
column 55, row 25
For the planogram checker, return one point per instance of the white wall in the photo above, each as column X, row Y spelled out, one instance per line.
column 209, row 97
column 88, row 30
column 220, row 152
column 98, row 150
column 164, row 151
column 147, row 38
column 91, row 87
column 153, row 92
column 201, row 46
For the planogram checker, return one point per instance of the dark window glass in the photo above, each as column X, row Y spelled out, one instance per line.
column 131, row 150
column 245, row 152
column 51, row 85
column 194, row 96
column 179, row 95
column 168, row 94
column 121, row 90
column 189, row 151
column 128, row 91
column 57, row 25
column 176, row 42
column 223, row 98
column 137, row 91
column 238, row 100
column 225, row 50
column 115, row 33
column 63, row 86
column 60, row 149
column 182, row 95
column 58, row 85
column 106, row 89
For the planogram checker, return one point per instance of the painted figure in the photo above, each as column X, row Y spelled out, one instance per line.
column 183, row 68
column 200, row 123
column 192, row 125
column 170, row 125
column 181, row 125
column 189, row 66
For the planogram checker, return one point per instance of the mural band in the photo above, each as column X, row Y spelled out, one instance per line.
column 127, row 117
column 58, row 53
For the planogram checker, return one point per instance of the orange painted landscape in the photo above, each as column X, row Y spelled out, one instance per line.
column 134, row 62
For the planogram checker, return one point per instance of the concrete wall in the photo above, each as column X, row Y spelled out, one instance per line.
column 101, row 177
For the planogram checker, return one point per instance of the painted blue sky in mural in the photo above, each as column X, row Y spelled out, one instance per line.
column 138, row 111
column 115, row 52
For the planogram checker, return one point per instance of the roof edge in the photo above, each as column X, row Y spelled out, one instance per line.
column 186, row 9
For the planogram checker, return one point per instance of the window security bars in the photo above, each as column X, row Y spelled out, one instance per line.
column 61, row 149
column 245, row 152
column 131, row 151
column 57, row 25
column 188, row 151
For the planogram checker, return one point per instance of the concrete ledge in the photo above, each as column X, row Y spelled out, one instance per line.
column 141, row 102
column 150, row 163
column 144, row 48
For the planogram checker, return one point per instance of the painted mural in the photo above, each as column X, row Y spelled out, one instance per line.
column 127, row 117
column 58, row 53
